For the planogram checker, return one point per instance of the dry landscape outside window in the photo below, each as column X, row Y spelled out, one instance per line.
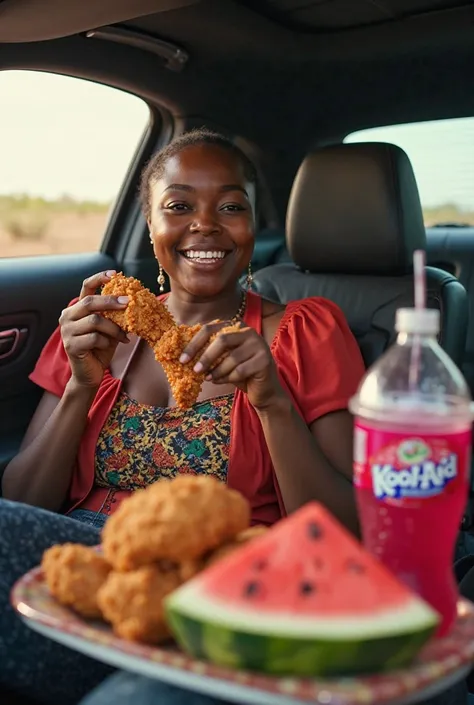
column 66, row 146
column 442, row 155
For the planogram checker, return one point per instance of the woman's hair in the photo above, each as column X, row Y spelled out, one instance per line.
column 155, row 167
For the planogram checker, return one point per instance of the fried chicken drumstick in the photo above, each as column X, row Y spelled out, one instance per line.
column 147, row 317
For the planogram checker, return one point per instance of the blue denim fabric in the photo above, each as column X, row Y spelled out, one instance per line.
column 31, row 664
column 85, row 516
column 128, row 689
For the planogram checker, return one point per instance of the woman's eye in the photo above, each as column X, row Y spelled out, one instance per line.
column 232, row 207
column 177, row 206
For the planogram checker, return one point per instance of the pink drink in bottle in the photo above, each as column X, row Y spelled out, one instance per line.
column 412, row 449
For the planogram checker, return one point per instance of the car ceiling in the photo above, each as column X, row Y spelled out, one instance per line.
column 295, row 22
column 330, row 15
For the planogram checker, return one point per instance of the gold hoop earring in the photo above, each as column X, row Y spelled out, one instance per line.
column 249, row 278
column 161, row 280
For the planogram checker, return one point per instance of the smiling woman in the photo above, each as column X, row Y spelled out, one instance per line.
column 271, row 420
column 199, row 196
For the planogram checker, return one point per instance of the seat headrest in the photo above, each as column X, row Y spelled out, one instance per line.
column 355, row 209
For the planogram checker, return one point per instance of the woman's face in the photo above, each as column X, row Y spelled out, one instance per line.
column 202, row 220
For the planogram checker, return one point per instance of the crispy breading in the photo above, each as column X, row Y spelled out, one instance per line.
column 145, row 315
column 179, row 520
column 133, row 603
column 74, row 573
column 185, row 383
column 242, row 538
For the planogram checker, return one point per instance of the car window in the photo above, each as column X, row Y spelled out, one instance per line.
column 65, row 145
column 442, row 155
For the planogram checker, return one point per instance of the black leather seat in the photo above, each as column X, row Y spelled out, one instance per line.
column 354, row 219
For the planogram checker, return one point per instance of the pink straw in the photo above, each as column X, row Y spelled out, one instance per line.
column 419, row 261
column 419, row 275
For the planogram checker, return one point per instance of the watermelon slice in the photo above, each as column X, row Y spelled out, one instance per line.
column 303, row 599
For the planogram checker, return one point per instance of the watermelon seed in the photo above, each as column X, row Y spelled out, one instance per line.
column 252, row 589
column 355, row 567
column 314, row 530
column 307, row 588
column 260, row 565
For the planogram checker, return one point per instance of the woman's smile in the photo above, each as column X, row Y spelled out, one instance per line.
column 207, row 257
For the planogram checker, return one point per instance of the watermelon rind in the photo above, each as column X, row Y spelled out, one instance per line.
column 292, row 645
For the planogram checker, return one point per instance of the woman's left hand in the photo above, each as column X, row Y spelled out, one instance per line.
column 247, row 362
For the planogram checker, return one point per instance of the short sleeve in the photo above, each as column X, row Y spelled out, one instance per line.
column 52, row 370
column 318, row 357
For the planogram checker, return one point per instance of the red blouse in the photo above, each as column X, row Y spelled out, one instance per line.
column 319, row 365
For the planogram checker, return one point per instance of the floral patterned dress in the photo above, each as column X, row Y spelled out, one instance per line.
column 140, row 444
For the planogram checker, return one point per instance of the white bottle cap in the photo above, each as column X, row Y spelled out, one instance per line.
column 424, row 321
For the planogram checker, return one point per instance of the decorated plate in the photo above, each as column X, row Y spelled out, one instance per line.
column 441, row 664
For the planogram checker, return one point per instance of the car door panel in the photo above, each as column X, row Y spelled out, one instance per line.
column 35, row 289
column 33, row 292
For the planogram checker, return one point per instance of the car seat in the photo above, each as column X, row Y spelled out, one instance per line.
column 354, row 219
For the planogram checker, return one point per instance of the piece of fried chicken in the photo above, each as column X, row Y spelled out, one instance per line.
column 149, row 318
column 74, row 573
column 185, row 383
column 145, row 315
column 179, row 520
column 133, row 603
column 227, row 548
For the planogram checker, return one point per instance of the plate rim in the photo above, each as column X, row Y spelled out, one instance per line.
column 350, row 690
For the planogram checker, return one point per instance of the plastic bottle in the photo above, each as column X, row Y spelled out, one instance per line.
column 412, row 450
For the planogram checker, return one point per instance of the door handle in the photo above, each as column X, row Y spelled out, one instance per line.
column 11, row 342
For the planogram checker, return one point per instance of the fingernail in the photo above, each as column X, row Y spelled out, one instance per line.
column 184, row 358
column 122, row 299
column 198, row 367
column 208, row 378
column 110, row 273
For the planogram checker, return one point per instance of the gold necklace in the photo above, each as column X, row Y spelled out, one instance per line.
column 240, row 313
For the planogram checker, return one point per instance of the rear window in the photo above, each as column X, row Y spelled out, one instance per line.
column 442, row 155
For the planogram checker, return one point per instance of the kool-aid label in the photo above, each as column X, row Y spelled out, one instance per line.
column 399, row 466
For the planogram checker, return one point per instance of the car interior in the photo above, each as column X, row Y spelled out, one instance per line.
column 289, row 81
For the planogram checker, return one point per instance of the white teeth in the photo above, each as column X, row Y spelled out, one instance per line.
column 203, row 254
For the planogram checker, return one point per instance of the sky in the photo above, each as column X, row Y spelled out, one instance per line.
column 442, row 155
column 61, row 135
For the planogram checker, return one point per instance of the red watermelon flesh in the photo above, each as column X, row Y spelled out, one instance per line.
column 309, row 563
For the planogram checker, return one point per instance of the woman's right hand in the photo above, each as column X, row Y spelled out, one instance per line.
column 90, row 340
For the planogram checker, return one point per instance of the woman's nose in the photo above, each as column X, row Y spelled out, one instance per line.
column 205, row 222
